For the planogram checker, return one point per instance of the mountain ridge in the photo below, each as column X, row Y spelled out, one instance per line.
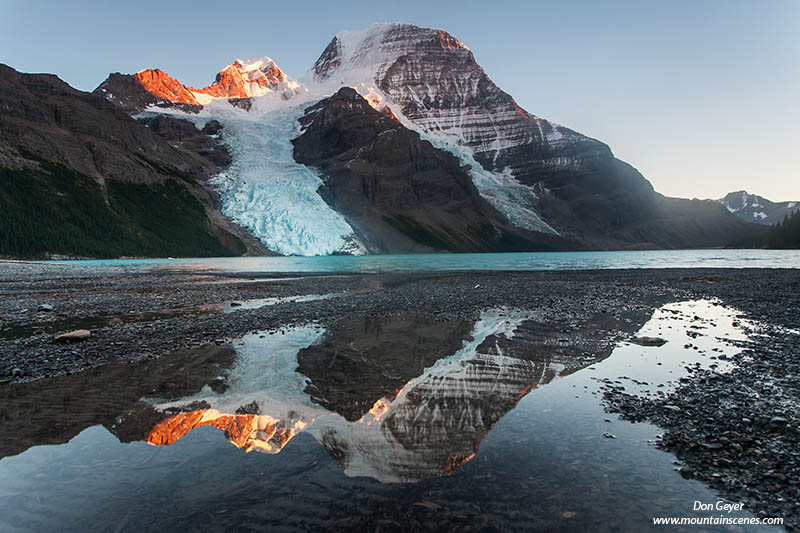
column 81, row 177
column 757, row 209
column 546, row 182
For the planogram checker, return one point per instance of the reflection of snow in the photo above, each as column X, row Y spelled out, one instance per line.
column 264, row 377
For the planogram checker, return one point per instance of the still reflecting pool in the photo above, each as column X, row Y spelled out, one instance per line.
column 388, row 423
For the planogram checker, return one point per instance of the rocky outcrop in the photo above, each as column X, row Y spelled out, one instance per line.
column 245, row 79
column 182, row 133
column 396, row 190
column 151, row 87
column 46, row 118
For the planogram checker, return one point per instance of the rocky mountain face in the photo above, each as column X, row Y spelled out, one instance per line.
column 151, row 87
column 754, row 208
column 397, row 191
column 433, row 83
column 81, row 177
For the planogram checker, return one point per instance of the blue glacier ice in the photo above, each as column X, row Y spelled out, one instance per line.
column 269, row 193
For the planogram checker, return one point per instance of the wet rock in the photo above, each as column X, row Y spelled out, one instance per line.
column 648, row 341
column 73, row 336
column 45, row 307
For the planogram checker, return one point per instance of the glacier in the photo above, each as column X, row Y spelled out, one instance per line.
column 264, row 189
column 274, row 197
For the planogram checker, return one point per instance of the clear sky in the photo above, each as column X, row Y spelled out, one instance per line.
column 702, row 96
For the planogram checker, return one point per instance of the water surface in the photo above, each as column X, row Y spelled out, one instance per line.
column 403, row 421
column 506, row 261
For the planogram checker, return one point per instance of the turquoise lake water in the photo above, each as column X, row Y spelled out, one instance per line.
column 507, row 261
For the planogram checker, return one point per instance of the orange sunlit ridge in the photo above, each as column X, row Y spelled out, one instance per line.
column 248, row 432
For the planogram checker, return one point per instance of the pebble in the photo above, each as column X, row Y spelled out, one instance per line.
column 73, row 336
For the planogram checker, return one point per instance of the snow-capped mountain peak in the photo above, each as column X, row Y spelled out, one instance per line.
column 240, row 79
column 246, row 79
column 755, row 208
column 352, row 54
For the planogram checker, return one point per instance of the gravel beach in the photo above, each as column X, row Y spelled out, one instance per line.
column 737, row 432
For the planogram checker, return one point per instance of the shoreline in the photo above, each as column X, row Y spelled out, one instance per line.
column 136, row 316
column 148, row 314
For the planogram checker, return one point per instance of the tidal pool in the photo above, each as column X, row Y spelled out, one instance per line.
column 391, row 423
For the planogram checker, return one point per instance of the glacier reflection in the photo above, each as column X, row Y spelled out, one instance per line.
column 398, row 398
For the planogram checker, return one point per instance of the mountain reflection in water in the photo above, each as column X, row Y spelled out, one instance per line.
column 397, row 398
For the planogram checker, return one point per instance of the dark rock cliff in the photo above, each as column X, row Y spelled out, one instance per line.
column 398, row 191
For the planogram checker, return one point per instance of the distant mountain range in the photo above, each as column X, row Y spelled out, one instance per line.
column 754, row 208
column 395, row 141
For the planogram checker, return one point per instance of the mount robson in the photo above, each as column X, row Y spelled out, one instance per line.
column 395, row 141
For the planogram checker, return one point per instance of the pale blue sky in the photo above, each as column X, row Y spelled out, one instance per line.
column 702, row 96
